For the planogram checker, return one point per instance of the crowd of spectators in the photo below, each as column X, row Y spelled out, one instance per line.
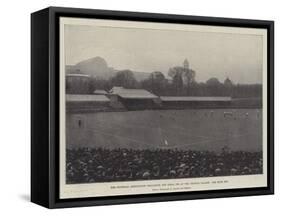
column 85, row 165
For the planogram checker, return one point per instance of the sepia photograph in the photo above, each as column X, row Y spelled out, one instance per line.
column 153, row 107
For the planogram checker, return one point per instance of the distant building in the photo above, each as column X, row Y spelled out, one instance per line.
column 186, row 64
column 78, row 83
column 86, row 103
column 100, row 92
column 134, row 99
column 132, row 93
column 195, row 102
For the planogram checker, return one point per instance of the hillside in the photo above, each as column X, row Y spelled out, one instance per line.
column 97, row 67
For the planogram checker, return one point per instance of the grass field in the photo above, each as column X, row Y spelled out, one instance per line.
column 183, row 129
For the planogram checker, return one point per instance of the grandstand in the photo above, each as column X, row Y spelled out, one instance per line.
column 87, row 103
column 171, row 102
column 136, row 99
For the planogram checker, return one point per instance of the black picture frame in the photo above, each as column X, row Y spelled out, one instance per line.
column 45, row 106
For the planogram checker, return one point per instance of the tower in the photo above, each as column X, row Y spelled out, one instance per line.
column 186, row 64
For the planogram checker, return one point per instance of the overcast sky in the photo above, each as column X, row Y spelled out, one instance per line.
column 220, row 55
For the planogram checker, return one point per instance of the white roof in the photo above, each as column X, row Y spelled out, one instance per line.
column 100, row 91
column 86, row 98
column 78, row 75
column 182, row 98
column 132, row 93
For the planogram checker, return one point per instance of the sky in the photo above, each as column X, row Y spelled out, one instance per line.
column 210, row 54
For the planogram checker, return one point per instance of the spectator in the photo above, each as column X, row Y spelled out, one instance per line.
column 104, row 165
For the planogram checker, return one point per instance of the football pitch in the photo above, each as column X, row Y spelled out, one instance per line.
column 204, row 129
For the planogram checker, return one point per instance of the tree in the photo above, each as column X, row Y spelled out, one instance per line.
column 214, row 87
column 176, row 74
column 228, row 86
column 175, row 71
column 187, row 74
column 178, row 83
column 213, row 82
column 158, row 81
column 157, row 76
column 228, row 82
column 124, row 78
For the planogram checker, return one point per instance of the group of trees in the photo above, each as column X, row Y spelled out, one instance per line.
column 212, row 87
column 181, row 83
column 181, row 77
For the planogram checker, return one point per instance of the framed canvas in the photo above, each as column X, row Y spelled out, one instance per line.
column 138, row 107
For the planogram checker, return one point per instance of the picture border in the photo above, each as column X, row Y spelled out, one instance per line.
column 105, row 188
column 54, row 13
